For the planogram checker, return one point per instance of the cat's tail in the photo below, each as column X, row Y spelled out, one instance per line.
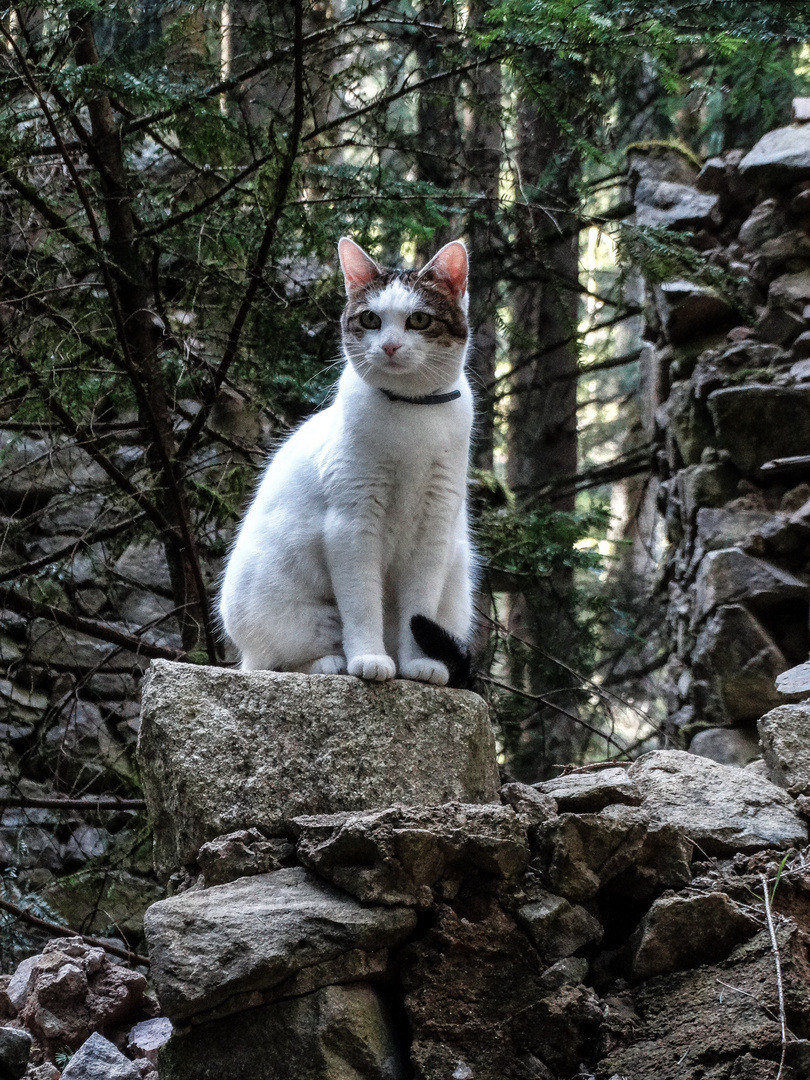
column 438, row 644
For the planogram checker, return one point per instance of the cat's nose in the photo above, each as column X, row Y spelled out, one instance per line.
column 389, row 350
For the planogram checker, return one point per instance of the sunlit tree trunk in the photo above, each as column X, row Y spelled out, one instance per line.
column 542, row 429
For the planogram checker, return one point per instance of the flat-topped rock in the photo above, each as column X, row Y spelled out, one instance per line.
column 224, row 750
column 232, row 947
column 721, row 808
column 780, row 157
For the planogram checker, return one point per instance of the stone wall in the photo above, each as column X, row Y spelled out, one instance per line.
column 727, row 369
column 585, row 926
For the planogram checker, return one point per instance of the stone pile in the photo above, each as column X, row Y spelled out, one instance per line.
column 607, row 923
column 729, row 363
column 71, row 1001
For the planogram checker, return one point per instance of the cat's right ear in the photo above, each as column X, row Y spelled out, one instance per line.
column 359, row 269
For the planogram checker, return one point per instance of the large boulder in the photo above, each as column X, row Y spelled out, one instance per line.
column 339, row 1032
column 236, row 946
column 225, row 750
column 400, row 855
column 721, row 808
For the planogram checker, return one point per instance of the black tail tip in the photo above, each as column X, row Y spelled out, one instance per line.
column 439, row 644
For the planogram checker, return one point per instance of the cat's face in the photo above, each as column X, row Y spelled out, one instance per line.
column 406, row 330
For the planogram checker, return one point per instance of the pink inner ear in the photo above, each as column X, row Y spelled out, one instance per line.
column 358, row 268
column 450, row 265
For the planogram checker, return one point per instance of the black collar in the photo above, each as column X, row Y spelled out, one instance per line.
column 428, row 399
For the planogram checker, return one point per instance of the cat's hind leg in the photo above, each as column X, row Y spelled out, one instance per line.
column 298, row 636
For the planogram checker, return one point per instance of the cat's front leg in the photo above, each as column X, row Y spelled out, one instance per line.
column 354, row 556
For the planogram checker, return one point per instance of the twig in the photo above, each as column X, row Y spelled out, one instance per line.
column 65, row 931
column 23, row 605
column 778, row 966
column 72, row 804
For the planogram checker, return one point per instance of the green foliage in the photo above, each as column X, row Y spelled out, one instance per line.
column 541, row 541
column 663, row 254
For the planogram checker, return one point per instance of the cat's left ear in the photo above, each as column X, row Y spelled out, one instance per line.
column 358, row 268
column 449, row 268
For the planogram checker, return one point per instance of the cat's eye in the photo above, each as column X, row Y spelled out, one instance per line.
column 418, row 320
column 369, row 320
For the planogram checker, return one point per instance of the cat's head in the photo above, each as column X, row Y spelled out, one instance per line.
column 406, row 330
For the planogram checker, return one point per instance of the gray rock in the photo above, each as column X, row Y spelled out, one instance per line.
column 99, row 1059
column 757, row 423
column 722, row 809
column 17, row 989
column 659, row 161
column 241, row 854
column 399, row 855
column 688, row 421
column 59, row 647
column 147, row 1037
column 145, row 564
column 556, row 927
column 780, row 157
column 591, row 791
column 663, row 202
column 779, row 326
column 801, row 348
column 577, row 854
column 339, row 1033
column 730, row 576
column 664, row 862
column 766, row 221
column 729, row 746
column 706, row 485
column 736, row 660
column 263, row 937
column 43, row 1072
column 681, row 932
column 570, row 971
column 795, row 681
column 783, row 733
column 790, row 291
column 531, row 806
column 226, row 750
column 688, row 311
column 15, row 1049
column 723, row 528
column 713, row 1013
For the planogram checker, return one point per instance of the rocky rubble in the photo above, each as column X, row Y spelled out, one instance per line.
column 548, row 935
column 610, row 922
column 732, row 431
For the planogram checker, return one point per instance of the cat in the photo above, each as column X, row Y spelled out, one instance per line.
column 360, row 521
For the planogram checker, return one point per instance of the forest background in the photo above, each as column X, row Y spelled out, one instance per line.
column 173, row 181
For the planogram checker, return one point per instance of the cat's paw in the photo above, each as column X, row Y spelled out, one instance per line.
column 328, row 665
column 426, row 670
column 373, row 666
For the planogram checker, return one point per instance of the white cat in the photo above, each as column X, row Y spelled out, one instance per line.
column 360, row 521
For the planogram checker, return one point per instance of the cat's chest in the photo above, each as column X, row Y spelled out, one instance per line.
column 396, row 470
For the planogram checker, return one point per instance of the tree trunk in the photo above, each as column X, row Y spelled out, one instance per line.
column 139, row 338
column 542, row 423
